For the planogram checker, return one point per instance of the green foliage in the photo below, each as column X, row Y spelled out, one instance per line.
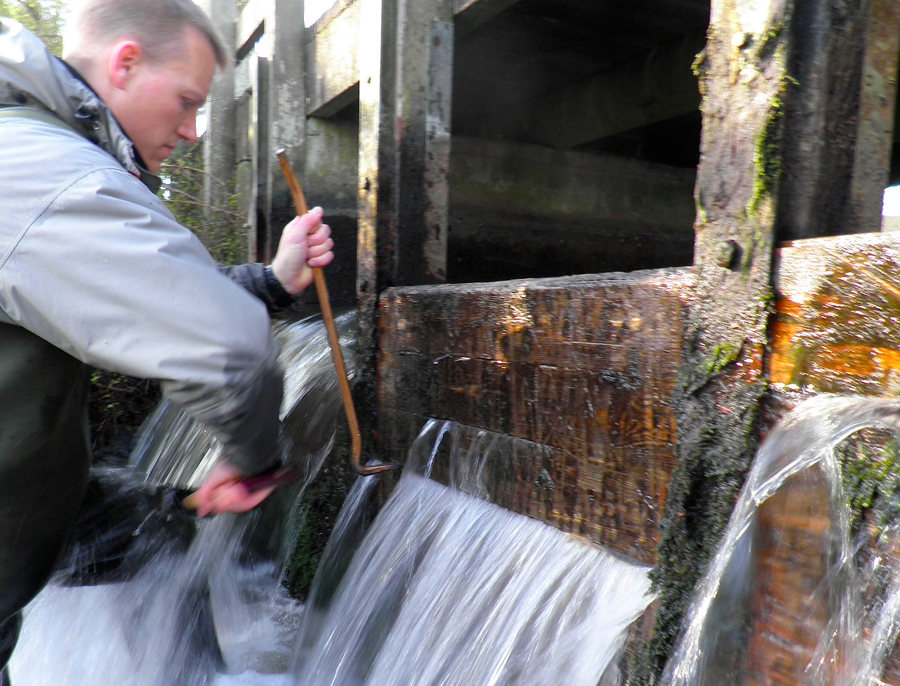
column 118, row 405
column 222, row 228
column 44, row 18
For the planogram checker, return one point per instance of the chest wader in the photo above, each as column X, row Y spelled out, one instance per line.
column 44, row 463
column 44, row 456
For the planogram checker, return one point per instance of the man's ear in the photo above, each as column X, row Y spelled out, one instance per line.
column 123, row 58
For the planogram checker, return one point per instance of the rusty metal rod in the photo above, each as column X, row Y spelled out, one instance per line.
column 333, row 338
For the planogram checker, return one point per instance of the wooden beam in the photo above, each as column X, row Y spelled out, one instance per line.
column 581, row 366
column 835, row 322
column 743, row 77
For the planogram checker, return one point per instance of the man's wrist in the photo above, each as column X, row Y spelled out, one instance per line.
column 279, row 295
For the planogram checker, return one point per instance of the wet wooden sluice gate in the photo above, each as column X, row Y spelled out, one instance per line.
column 586, row 367
column 582, row 365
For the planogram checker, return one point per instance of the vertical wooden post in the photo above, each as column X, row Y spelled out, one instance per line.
column 782, row 154
column 743, row 80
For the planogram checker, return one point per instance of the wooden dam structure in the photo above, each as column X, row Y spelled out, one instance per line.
column 632, row 234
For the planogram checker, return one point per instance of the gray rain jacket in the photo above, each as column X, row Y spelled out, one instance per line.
column 92, row 262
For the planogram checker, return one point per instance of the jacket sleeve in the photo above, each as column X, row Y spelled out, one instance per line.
column 105, row 273
column 261, row 282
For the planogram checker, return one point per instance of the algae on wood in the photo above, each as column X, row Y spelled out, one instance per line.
column 743, row 79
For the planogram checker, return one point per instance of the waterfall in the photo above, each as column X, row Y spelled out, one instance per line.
column 442, row 588
column 174, row 449
column 185, row 605
column 848, row 616
column 447, row 588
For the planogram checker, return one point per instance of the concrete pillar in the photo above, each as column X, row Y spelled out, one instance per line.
column 219, row 142
column 406, row 55
column 875, row 128
column 287, row 108
column 405, row 58
column 838, row 114
column 422, row 96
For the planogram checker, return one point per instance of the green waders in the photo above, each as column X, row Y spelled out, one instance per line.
column 44, row 463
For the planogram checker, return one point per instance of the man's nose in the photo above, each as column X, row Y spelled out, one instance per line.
column 188, row 129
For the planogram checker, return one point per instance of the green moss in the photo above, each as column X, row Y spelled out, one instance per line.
column 767, row 159
column 870, row 473
column 314, row 519
column 767, row 156
column 721, row 356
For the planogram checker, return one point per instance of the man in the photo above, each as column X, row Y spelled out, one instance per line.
column 94, row 271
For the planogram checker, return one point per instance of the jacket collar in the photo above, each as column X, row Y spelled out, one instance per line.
column 31, row 77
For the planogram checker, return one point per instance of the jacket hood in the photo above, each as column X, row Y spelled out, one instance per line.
column 31, row 77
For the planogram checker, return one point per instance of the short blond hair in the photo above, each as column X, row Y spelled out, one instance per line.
column 158, row 25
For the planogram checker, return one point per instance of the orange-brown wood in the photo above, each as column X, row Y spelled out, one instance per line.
column 583, row 367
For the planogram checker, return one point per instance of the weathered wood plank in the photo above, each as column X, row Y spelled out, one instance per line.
column 837, row 320
column 583, row 366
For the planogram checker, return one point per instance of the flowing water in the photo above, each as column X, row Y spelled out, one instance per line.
column 447, row 588
column 187, row 604
column 852, row 609
column 442, row 588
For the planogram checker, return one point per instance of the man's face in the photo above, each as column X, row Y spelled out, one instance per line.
column 158, row 105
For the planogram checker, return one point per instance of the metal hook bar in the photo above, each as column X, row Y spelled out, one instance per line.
column 333, row 338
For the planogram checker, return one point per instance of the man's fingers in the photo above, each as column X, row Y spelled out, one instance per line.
column 235, row 498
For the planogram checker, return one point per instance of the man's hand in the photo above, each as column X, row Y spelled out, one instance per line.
column 223, row 491
column 305, row 243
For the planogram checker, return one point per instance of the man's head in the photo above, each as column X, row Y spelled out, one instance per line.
column 152, row 63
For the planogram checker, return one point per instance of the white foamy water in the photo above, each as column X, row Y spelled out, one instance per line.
column 145, row 632
column 443, row 588
column 74, row 636
column 449, row 589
